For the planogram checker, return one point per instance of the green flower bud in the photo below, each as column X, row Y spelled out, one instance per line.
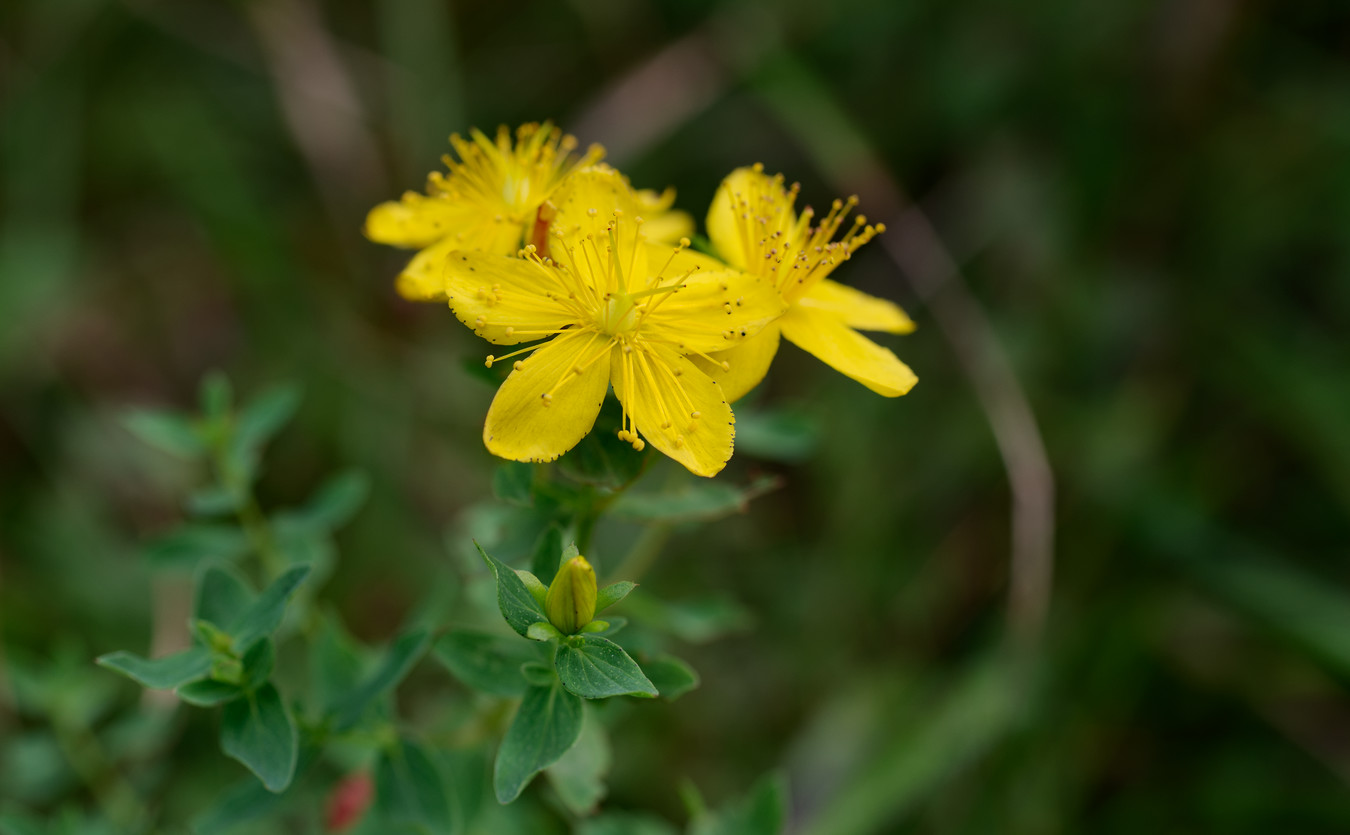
column 570, row 603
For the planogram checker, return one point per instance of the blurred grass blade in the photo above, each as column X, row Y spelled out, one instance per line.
column 966, row 722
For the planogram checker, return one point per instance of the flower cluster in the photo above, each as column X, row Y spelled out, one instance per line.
column 533, row 244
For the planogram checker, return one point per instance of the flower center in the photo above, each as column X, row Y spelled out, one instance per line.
column 620, row 315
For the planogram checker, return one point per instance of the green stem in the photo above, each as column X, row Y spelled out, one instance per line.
column 259, row 533
column 643, row 553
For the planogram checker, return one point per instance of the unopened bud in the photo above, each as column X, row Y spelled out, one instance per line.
column 570, row 603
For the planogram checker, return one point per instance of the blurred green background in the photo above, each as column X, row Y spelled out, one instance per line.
column 1150, row 206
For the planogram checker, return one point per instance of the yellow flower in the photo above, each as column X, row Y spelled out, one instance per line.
column 753, row 227
column 616, row 313
column 493, row 199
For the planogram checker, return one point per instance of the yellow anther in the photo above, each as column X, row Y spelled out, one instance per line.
column 547, row 399
column 695, row 415
column 515, row 366
column 639, row 444
column 488, row 361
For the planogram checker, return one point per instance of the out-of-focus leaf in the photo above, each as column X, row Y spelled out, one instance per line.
column 173, row 433
column 16, row 823
column 257, row 730
column 249, row 800
column 264, row 615
column 397, row 662
column 409, row 788
column 547, row 554
column 626, row 823
column 513, row 482
column 208, row 692
column 579, row 775
column 186, row 546
column 762, row 812
column 336, row 666
column 695, row 621
column 693, row 503
column 214, row 501
column 602, row 460
column 222, row 596
column 777, row 435
column 546, row 725
column 487, row 663
column 265, row 415
column 517, row 605
column 597, row 668
column 671, row 676
column 161, row 673
column 331, row 506
column 216, row 395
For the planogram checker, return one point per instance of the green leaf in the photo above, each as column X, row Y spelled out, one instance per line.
column 264, row 416
column 579, row 775
column 517, row 605
column 409, row 788
column 670, row 675
column 222, row 596
column 762, row 812
column 535, row 586
column 258, row 663
column 546, row 725
column 208, row 692
column 626, row 823
column 214, row 501
column 187, row 545
column 331, row 506
column 693, row 503
column 15, row 823
column 264, row 615
column 248, row 800
column 695, row 621
column 788, row 436
column 216, row 395
column 488, row 663
column 537, row 674
column 609, row 626
column 612, row 594
column 168, row 431
column 542, row 632
column 545, row 558
column 398, row 661
column 602, row 460
column 336, row 666
column 257, row 730
column 161, row 673
column 597, row 668
column 513, row 482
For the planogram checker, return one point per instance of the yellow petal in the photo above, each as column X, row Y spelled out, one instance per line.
column 712, row 311
column 662, row 392
column 550, row 401
column 749, row 207
column 505, row 300
column 747, row 363
column 423, row 280
column 588, row 199
column 417, row 220
column 857, row 309
column 825, row 335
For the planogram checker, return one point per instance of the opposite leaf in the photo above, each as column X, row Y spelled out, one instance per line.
column 160, row 673
column 485, row 662
column 264, row 615
column 597, row 668
column 397, row 662
column 612, row 594
column 546, row 725
column 517, row 605
column 257, row 731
